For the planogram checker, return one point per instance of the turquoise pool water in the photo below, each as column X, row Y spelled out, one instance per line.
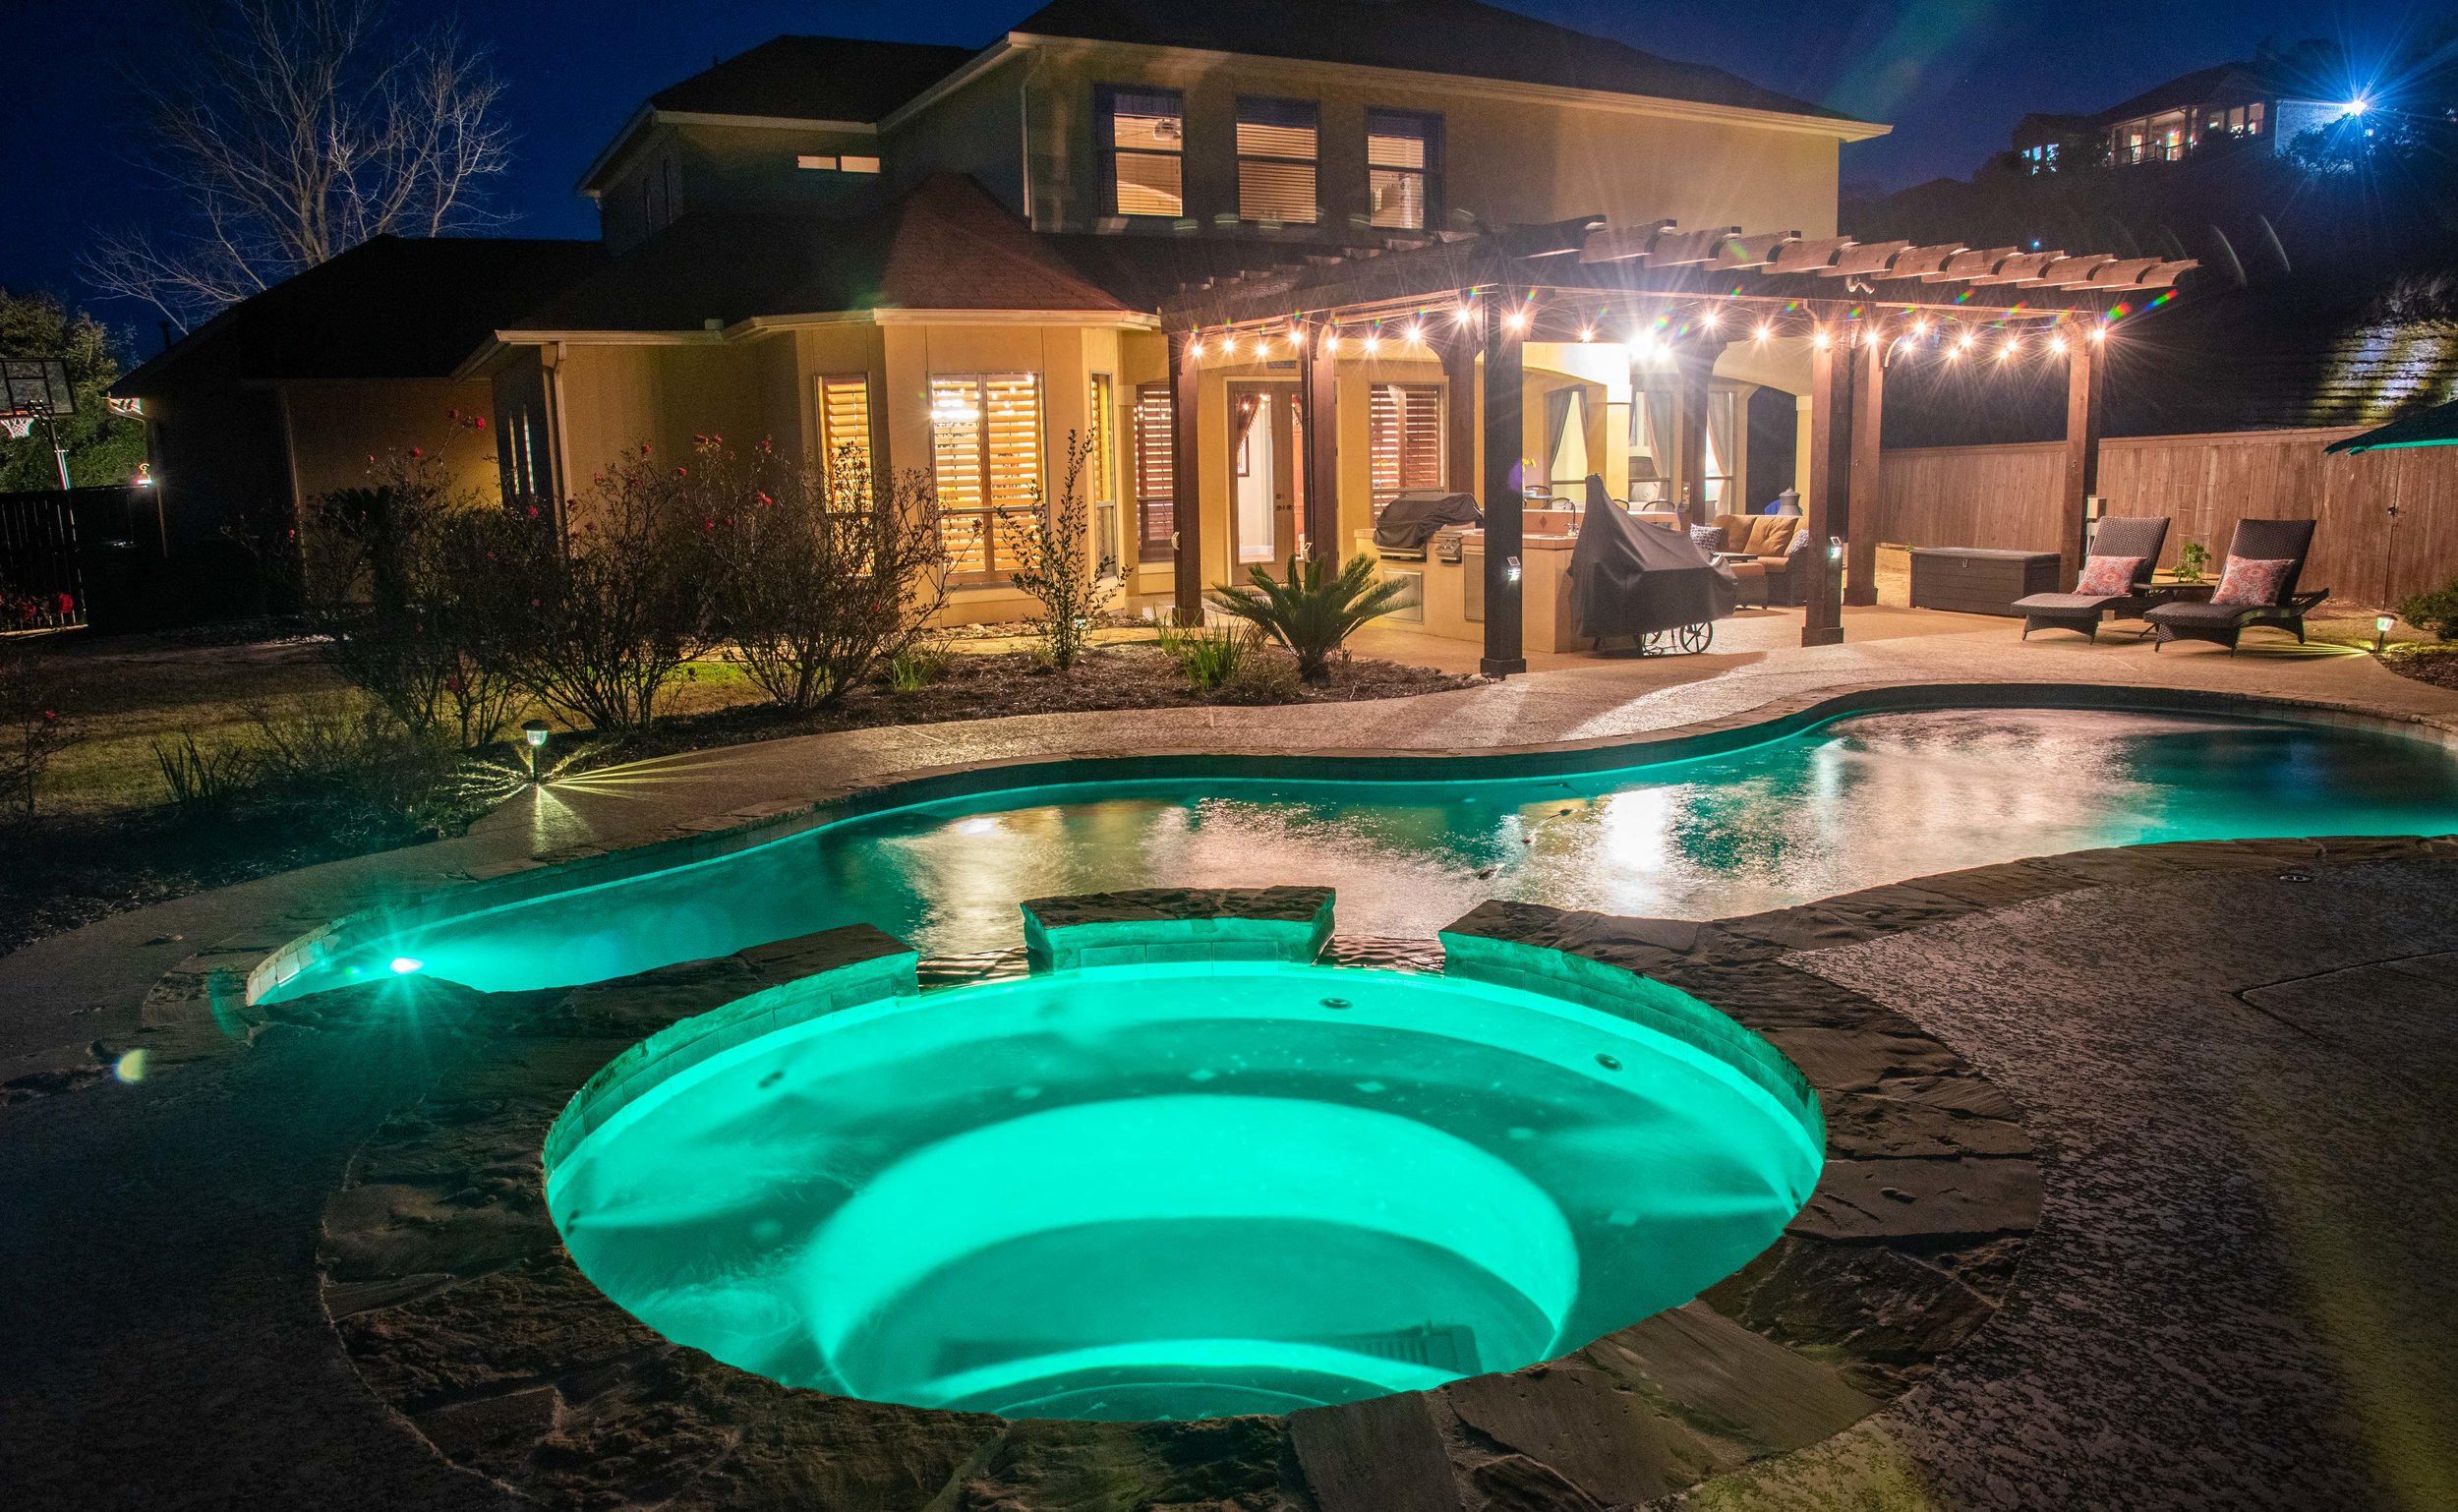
column 1184, row 1192
column 1852, row 803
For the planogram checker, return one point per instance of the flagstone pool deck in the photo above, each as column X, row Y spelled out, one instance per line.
column 2234, row 1061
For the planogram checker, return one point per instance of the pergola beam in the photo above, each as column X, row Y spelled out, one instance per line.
column 1505, row 504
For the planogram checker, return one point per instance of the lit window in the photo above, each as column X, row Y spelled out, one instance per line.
column 2253, row 119
column 1403, row 168
column 1277, row 148
column 844, row 440
column 1142, row 141
column 985, row 452
column 816, row 160
column 852, row 164
column 1156, row 522
column 1404, row 438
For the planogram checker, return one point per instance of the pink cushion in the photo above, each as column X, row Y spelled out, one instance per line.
column 2108, row 575
column 2248, row 581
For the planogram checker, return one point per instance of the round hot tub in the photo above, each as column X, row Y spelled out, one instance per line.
column 1174, row 1192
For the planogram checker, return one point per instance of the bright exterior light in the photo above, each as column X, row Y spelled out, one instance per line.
column 1297, row 337
column 1517, row 320
column 1465, row 314
column 2359, row 105
column 1712, row 318
column 1510, row 569
column 1964, row 344
column 403, row 965
column 1416, row 331
column 1195, row 348
column 1373, row 344
column 2099, row 332
column 2006, row 351
column 2057, row 344
column 1587, row 333
column 2381, row 624
column 1765, row 330
column 1822, row 340
column 534, row 732
column 1920, row 328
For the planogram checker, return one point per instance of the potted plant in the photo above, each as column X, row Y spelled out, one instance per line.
column 2192, row 559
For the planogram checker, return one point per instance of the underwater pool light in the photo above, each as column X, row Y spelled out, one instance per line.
column 403, row 965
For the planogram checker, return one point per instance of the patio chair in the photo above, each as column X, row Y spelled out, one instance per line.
column 2281, row 606
column 2121, row 538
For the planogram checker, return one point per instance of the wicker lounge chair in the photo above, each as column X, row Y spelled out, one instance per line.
column 2288, row 541
column 2122, row 537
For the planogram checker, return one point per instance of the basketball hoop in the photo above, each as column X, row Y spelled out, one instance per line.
column 16, row 426
column 35, row 388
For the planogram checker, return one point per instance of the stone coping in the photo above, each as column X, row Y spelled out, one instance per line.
column 590, row 867
column 460, row 1309
column 1139, row 925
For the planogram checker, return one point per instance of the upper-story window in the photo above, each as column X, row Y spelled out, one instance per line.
column 2040, row 157
column 1277, row 142
column 1142, row 141
column 1403, row 168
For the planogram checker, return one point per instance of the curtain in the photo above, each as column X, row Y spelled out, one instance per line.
column 1721, row 453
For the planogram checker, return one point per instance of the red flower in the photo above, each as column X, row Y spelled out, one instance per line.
column 532, row 511
column 644, row 449
column 416, row 452
column 48, row 716
column 765, row 499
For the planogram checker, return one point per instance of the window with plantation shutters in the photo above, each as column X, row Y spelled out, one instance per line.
column 1276, row 151
column 1157, row 520
column 844, row 440
column 1142, row 136
column 985, row 453
column 1404, row 438
column 1403, row 168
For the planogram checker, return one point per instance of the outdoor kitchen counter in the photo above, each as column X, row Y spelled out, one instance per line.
column 1455, row 591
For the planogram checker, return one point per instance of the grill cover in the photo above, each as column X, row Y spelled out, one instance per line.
column 1631, row 579
column 1413, row 515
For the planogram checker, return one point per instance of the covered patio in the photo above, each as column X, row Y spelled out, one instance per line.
column 1823, row 317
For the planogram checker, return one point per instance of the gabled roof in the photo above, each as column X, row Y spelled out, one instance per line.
column 943, row 244
column 814, row 78
column 389, row 308
column 1440, row 37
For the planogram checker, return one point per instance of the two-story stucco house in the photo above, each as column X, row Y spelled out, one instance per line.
column 954, row 259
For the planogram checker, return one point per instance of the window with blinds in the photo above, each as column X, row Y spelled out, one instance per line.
column 1157, row 520
column 1403, row 168
column 1404, row 438
column 1276, row 152
column 844, row 438
column 985, row 453
column 1141, row 135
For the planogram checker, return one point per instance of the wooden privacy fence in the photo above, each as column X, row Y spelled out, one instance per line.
column 2006, row 497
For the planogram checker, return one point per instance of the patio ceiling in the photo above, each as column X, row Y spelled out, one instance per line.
column 1564, row 279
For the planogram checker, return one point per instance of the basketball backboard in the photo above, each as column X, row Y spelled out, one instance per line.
column 31, row 386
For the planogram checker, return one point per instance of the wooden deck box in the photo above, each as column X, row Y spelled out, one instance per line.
column 1972, row 580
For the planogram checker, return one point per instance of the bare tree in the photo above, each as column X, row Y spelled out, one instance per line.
column 290, row 131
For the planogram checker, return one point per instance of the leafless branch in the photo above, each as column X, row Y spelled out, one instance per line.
column 289, row 132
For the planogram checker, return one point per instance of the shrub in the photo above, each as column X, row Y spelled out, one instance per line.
column 821, row 577
column 1058, row 569
column 397, row 578
column 1313, row 611
column 196, row 779
column 1265, row 677
column 1209, row 656
column 596, row 625
column 32, row 726
column 2436, row 609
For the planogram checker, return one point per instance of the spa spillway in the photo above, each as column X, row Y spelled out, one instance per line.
column 1178, row 1191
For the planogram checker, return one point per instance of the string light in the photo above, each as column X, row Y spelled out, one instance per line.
column 1587, row 333
column 1195, row 348
column 1765, row 330
column 2057, row 344
column 1373, row 342
column 2013, row 345
column 1517, row 320
column 1416, row 332
column 2099, row 332
column 1465, row 314
column 1920, row 328
column 1822, row 340
column 1712, row 317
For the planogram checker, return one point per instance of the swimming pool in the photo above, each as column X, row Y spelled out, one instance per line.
column 1134, row 1193
column 1850, row 802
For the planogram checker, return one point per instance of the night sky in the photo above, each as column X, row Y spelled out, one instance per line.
column 1951, row 75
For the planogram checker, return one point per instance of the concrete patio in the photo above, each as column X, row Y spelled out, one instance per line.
column 2238, row 1295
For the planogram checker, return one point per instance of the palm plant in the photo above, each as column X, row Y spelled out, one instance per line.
column 1313, row 611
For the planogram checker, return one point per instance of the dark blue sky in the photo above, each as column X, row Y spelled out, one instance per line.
column 1952, row 75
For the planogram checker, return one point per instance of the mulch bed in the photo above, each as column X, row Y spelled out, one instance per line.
column 994, row 685
column 2435, row 665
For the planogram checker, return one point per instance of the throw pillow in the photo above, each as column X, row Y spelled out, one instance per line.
column 1799, row 544
column 2107, row 576
column 2252, row 581
column 1708, row 538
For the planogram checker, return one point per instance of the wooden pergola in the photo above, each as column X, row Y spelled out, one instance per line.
column 1690, row 293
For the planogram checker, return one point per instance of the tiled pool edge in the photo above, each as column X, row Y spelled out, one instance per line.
column 522, row 882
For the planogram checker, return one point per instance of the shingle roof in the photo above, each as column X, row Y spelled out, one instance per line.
column 814, row 78
column 390, row 307
column 944, row 245
column 1441, row 37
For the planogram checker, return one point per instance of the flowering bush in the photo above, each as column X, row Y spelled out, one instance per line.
column 33, row 728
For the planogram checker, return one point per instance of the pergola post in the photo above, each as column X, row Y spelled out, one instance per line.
column 1694, row 365
column 1186, row 478
column 1829, row 509
column 2083, row 385
column 1860, row 539
column 1500, row 495
column 1459, row 413
column 1319, row 448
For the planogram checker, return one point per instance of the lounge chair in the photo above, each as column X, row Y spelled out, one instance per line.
column 2123, row 536
column 2257, row 541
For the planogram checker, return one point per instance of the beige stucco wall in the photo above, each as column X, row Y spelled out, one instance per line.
column 331, row 430
column 614, row 397
column 1511, row 155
